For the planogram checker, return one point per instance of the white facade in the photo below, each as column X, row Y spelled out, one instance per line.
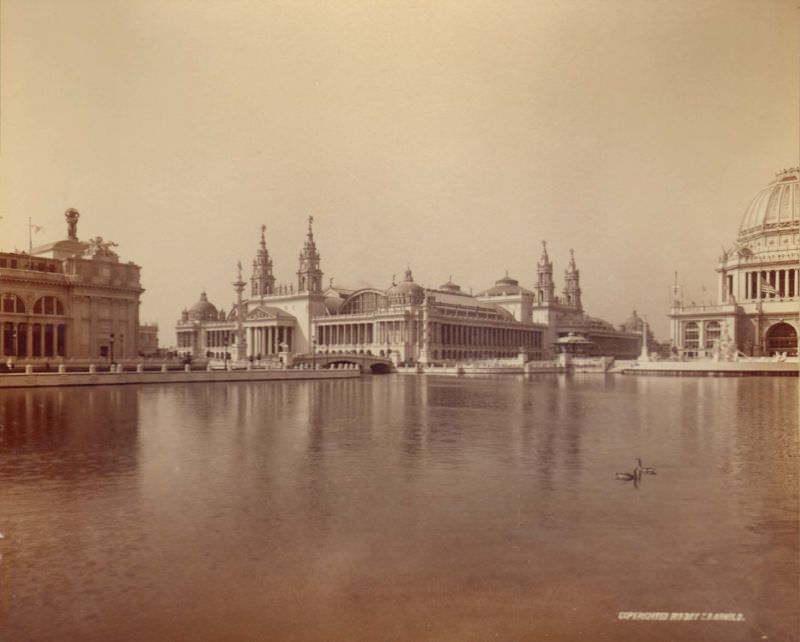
column 758, row 285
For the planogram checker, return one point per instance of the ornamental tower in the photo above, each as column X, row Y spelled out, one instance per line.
column 572, row 284
column 309, row 276
column 262, row 282
column 545, row 288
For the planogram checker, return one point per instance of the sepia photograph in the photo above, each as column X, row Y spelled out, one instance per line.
column 399, row 320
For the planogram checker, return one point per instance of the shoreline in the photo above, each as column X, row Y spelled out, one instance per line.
column 58, row 379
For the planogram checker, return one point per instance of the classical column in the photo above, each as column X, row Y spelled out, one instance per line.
column 28, row 339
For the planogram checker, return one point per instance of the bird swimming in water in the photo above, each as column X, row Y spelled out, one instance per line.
column 636, row 475
column 646, row 470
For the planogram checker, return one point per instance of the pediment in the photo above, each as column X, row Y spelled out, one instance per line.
column 267, row 313
column 260, row 314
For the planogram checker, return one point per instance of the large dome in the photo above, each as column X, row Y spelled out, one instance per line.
column 777, row 206
column 203, row 310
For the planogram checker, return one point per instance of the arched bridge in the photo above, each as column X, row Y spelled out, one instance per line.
column 368, row 362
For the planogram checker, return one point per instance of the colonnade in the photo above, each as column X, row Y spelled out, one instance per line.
column 23, row 339
column 266, row 340
column 445, row 340
column 345, row 334
column 447, row 334
column 218, row 338
column 785, row 283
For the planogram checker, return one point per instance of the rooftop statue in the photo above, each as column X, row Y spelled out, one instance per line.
column 98, row 248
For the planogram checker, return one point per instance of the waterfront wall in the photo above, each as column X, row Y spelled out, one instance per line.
column 47, row 379
column 750, row 368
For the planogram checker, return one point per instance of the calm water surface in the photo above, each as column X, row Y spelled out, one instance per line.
column 400, row 508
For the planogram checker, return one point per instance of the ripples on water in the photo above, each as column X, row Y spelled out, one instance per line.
column 399, row 508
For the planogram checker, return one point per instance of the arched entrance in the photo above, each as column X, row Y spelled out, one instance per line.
column 782, row 337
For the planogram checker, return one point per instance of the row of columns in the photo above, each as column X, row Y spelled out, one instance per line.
column 33, row 339
column 345, row 334
column 785, row 282
column 440, row 335
column 266, row 340
column 218, row 338
column 447, row 334
column 186, row 339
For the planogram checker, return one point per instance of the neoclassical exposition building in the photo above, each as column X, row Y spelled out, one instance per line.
column 563, row 316
column 405, row 322
column 759, row 283
column 69, row 299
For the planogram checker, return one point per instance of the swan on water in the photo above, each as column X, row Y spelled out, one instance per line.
column 634, row 476
column 646, row 470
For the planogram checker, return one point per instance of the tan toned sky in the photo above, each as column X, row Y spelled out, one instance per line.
column 452, row 136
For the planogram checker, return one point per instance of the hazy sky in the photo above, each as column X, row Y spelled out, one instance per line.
column 450, row 136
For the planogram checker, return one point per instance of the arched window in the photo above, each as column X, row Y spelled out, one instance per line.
column 691, row 335
column 782, row 337
column 712, row 333
column 363, row 302
column 48, row 305
column 12, row 304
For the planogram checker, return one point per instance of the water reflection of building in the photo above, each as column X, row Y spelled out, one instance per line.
column 70, row 298
column 100, row 425
column 759, row 283
column 405, row 322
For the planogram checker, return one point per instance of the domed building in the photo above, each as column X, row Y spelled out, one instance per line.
column 203, row 310
column 759, row 284
column 410, row 324
column 563, row 316
column 405, row 322
column 406, row 292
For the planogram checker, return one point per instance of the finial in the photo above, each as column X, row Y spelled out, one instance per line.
column 330, row 285
column 506, row 273
column 310, row 223
column 544, row 246
column 263, row 240
column 394, row 279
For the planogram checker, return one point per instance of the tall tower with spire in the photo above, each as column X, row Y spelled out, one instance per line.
column 572, row 284
column 309, row 276
column 545, row 288
column 262, row 282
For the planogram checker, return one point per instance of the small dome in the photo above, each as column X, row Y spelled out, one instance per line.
column 505, row 286
column 406, row 291
column 333, row 303
column 777, row 205
column 633, row 323
column 450, row 286
column 203, row 310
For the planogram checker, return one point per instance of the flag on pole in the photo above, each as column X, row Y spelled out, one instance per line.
column 36, row 228
column 767, row 288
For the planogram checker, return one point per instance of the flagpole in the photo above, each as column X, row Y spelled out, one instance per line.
column 30, row 243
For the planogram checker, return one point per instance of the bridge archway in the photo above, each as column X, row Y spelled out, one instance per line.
column 366, row 362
